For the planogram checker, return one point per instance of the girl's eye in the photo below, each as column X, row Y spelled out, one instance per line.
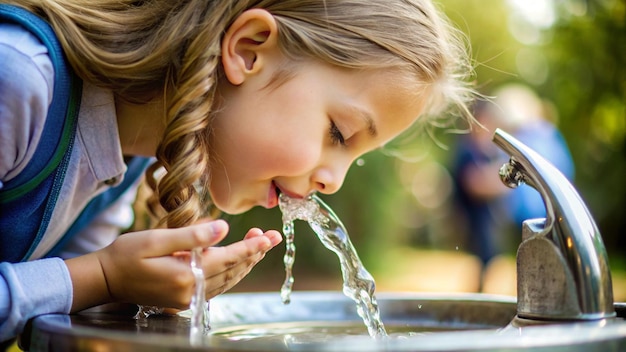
column 335, row 135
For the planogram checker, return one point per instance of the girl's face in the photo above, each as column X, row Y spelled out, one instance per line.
column 301, row 136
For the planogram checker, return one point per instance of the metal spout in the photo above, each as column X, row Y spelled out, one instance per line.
column 562, row 265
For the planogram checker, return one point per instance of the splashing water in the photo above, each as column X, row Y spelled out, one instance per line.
column 145, row 311
column 199, row 305
column 358, row 283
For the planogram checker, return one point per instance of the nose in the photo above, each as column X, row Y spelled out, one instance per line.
column 328, row 179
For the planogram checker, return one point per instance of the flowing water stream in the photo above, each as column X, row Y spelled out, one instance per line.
column 199, row 304
column 358, row 283
column 198, row 309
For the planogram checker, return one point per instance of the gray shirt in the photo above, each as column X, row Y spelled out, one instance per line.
column 96, row 163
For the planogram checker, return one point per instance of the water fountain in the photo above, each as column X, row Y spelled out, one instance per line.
column 568, row 307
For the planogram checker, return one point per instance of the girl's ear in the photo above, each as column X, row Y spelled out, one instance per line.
column 247, row 44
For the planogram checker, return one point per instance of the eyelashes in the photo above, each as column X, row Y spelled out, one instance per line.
column 335, row 135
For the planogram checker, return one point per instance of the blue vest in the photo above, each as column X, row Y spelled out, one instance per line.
column 27, row 201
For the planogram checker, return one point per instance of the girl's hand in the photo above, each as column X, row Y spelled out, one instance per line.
column 225, row 266
column 141, row 267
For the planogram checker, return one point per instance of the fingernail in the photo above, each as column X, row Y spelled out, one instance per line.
column 217, row 227
column 276, row 239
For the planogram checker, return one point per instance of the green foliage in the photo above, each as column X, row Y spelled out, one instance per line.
column 587, row 84
column 584, row 52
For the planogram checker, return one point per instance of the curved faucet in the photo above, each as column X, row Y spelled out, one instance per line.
column 562, row 265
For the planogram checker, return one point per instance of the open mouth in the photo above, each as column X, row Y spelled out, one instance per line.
column 274, row 193
column 278, row 191
column 285, row 192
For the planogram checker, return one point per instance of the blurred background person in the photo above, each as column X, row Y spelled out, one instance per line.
column 492, row 213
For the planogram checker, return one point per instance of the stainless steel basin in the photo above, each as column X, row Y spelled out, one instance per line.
column 328, row 321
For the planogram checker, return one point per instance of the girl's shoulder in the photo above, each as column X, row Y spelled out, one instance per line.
column 24, row 55
column 26, row 87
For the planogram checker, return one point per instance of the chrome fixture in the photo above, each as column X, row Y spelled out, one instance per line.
column 562, row 265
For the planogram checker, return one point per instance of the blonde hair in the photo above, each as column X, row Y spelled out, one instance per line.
column 138, row 48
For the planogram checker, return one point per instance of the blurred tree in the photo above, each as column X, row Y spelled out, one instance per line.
column 587, row 83
column 494, row 49
column 573, row 54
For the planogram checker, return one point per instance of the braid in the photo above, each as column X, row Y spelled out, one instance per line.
column 184, row 149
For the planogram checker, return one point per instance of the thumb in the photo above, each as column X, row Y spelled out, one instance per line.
column 167, row 241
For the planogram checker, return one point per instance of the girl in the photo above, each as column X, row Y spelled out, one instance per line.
column 237, row 101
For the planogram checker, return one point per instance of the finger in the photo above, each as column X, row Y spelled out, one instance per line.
column 274, row 236
column 166, row 241
column 203, row 220
column 253, row 232
column 219, row 259
column 224, row 281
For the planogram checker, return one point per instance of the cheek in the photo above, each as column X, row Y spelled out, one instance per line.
column 261, row 151
column 286, row 157
column 271, row 137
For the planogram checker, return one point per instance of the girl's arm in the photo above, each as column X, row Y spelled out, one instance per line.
column 151, row 267
column 138, row 267
column 30, row 289
column 26, row 80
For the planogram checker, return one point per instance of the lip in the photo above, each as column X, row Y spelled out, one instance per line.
column 273, row 194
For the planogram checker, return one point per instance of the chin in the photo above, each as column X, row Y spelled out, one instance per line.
column 232, row 209
column 235, row 212
column 229, row 204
